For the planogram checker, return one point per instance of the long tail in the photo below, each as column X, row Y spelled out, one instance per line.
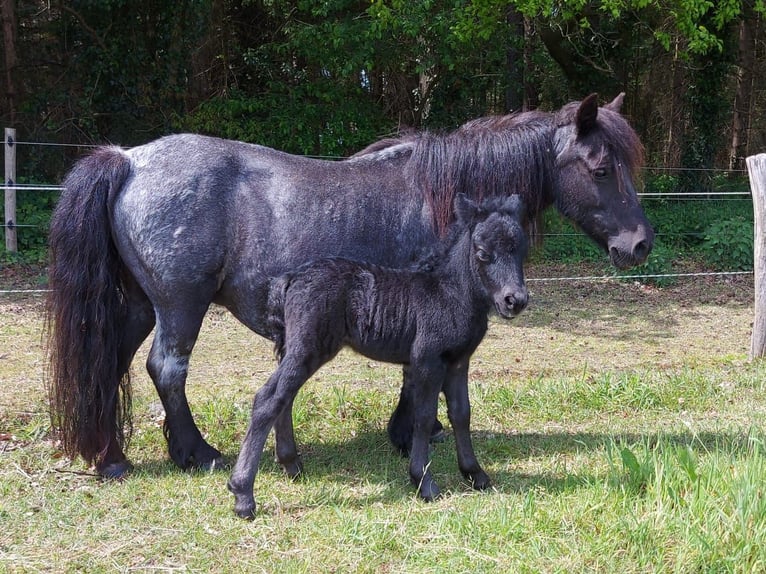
column 275, row 318
column 90, row 399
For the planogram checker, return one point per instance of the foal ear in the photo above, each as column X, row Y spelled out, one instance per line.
column 616, row 103
column 586, row 115
column 514, row 205
column 465, row 209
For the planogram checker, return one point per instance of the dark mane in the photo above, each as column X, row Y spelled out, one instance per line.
column 484, row 159
column 489, row 156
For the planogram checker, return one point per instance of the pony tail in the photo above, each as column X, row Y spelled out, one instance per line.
column 90, row 399
column 275, row 313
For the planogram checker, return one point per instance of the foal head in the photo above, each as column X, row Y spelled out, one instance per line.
column 498, row 250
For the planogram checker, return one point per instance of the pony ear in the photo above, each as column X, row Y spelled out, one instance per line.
column 586, row 115
column 465, row 209
column 616, row 103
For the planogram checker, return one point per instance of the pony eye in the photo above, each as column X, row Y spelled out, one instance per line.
column 599, row 173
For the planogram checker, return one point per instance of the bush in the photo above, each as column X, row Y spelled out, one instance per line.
column 728, row 244
column 660, row 262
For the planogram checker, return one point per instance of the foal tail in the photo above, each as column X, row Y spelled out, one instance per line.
column 89, row 396
column 275, row 313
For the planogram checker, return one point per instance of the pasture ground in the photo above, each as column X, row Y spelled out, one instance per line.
column 622, row 426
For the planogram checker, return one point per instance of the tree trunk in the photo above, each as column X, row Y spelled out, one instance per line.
column 8, row 16
column 745, row 81
column 514, row 86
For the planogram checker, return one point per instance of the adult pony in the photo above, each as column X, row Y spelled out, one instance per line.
column 431, row 321
column 150, row 237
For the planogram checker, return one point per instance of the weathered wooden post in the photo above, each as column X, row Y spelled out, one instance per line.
column 756, row 168
column 10, row 192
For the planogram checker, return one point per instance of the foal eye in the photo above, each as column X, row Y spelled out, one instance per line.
column 482, row 255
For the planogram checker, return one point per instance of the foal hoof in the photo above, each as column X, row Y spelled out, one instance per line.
column 244, row 506
column 115, row 470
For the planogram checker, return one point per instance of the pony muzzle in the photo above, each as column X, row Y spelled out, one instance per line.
column 631, row 249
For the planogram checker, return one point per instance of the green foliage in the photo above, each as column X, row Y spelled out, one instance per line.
column 728, row 244
column 302, row 120
column 656, row 268
column 33, row 213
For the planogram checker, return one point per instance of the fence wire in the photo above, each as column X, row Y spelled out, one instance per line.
column 675, row 196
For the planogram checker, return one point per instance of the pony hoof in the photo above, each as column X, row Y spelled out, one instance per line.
column 293, row 469
column 115, row 470
column 245, row 513
column 430, row 493
column 480, row 481
column 438, row 436
column 437, row 432
column 218, row 463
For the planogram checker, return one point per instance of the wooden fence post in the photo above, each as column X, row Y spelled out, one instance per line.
column 756, row 168
column 10, row 192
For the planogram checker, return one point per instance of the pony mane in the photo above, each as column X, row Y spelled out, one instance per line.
column 485, row 158
column 496, row 155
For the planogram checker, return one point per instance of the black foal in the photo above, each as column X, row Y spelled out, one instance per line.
column 430, row 321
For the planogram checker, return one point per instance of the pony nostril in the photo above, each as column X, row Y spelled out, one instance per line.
column 641, row 250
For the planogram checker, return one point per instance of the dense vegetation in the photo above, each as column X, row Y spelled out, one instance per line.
column 328, row 77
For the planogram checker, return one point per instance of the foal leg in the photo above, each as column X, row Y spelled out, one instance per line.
column 270, row 401
column 400, row 425
column 459, row 412
column 284, row 438
column 426, row 380
column 168, row 365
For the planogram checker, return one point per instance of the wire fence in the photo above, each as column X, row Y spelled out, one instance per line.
column 652, row 195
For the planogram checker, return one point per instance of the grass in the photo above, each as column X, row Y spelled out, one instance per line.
column 622, row 426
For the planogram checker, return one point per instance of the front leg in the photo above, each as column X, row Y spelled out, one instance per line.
column 459, row 412
column 426, row 381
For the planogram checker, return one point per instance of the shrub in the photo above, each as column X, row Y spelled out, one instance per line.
column 728, row 244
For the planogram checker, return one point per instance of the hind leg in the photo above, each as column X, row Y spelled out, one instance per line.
column 168, row 365
column 400, row 425
column 139, row 322
column 284, row 438
column 270, row 402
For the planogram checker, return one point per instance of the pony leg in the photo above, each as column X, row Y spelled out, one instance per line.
column 139, row 321
column 270, row 402
column 284, row 438
column 168, row 365
column 426, row 381
column 459, row 412
column 400, row 424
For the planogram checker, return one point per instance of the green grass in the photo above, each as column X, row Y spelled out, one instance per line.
column 622, row 426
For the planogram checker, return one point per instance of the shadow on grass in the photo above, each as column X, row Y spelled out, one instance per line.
column 335, row 467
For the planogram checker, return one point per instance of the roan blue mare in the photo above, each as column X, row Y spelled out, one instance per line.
column 430, row 320
column 150, row 237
